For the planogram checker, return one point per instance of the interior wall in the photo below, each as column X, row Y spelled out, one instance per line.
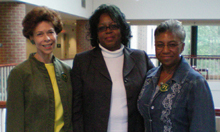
column 164, row 9
column 71, row 43
column 58, row 51
column 73, row 7
column 141, row 12
column 191, row 12
column 30, row 48
column 214, row 86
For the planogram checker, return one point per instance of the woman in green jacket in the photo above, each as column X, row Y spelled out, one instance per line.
column 39, row 89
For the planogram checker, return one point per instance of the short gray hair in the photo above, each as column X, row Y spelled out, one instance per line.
column 173, row 26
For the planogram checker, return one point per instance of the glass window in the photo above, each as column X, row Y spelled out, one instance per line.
column 187, row 48
column 208, row 42
column 143, row 39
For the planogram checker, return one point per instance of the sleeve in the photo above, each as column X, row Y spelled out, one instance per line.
column 77, row 115
column 15, row 102
column 201, row 111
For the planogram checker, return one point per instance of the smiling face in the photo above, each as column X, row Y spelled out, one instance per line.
column 169, row 56
column 44, row 37
column 110, row 38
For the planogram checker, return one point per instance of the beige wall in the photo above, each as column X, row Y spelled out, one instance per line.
column 58, row 52
column 71, row 45
column 30, row 48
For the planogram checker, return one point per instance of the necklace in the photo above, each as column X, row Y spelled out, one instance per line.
column 164, row 86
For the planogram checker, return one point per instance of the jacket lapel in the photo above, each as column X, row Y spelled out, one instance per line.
column 128, row 62
column 98, row 62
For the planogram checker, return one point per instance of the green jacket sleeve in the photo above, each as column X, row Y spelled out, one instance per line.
column 15, row 102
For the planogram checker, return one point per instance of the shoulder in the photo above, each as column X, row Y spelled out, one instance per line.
column 22, row 70
column 140, row 57
column 22, row 67
column 83, row 59
column 152, row 71
column 195, row 77
column 186, row 74
column 60, row 63
column 193, row 81
column 86, row 54
column 136, row 52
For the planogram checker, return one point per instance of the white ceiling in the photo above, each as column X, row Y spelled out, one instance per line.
column 67, row 19
column 70, row 19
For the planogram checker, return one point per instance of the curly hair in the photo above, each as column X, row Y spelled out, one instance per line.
column 117, row 16
column 173, row 26
column 37, row 15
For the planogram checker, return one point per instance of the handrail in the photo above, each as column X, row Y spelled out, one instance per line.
column 2, row 104
column 194, row 57
column 12, row 64
column 202, row 56
column 217, row 112
column 150, row 56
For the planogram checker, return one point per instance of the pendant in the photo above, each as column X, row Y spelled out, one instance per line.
column 64, row 76
column 164, row 87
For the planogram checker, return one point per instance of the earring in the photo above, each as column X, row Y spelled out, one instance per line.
column 32, row 41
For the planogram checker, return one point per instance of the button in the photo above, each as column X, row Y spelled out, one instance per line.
column 126, row 80
column 152, row 107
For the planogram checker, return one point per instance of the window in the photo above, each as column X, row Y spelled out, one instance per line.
column 143, row 39
column 208, row 42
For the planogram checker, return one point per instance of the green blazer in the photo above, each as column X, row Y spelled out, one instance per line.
column 30, row 103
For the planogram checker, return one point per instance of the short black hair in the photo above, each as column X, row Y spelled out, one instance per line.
column 117, row 16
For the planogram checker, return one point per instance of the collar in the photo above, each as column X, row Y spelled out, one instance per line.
column 182, row 71
column 111, row 54
column 31, row 56
column 179, row 75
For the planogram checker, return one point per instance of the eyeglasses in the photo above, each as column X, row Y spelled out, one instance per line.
column 111, row 27
column 170, row 46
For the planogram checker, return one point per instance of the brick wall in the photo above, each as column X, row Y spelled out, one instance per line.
column 83, row 42
column 13, row 48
